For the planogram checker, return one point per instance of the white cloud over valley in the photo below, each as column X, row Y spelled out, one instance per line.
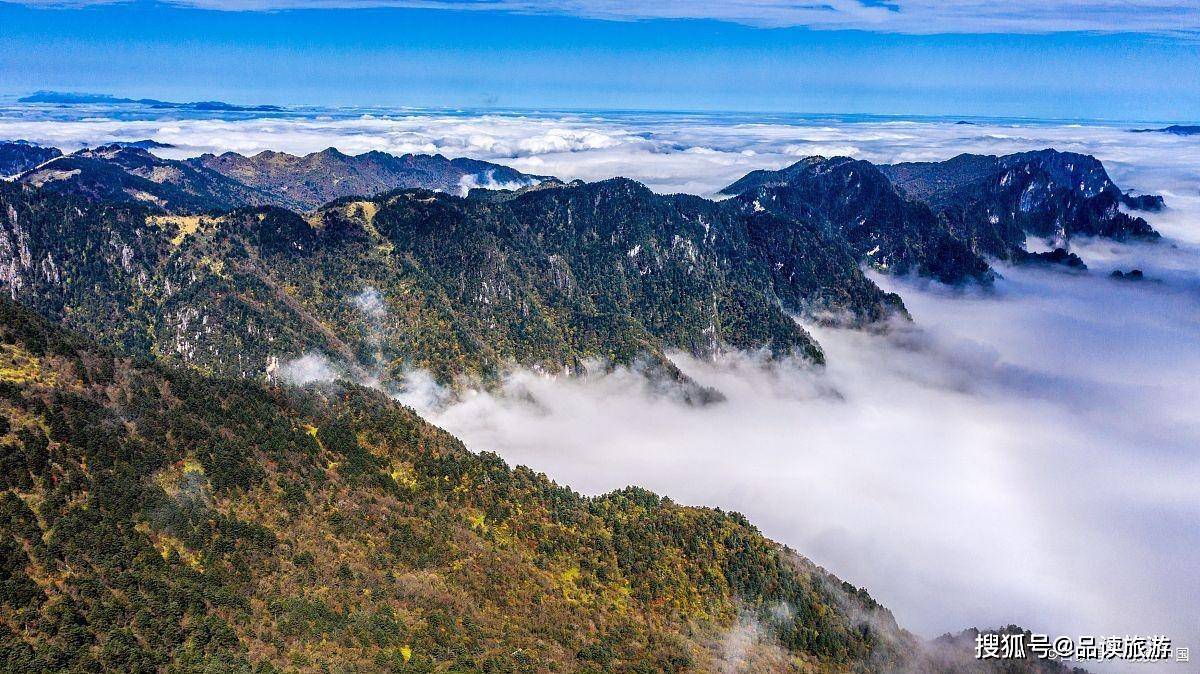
column 1029, row 455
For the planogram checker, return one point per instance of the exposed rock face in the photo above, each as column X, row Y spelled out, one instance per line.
column 311, row 180
column 941, row 219
column 19, row 156
column 993, row 203
column 855, row 201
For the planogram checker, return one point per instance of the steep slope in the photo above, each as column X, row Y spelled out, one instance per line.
column 309, row 181
column 157, row 520
column 153, row 518
column 993, row 203
column 551, row 279
column 857, row 203
column 19, row 156
column 938, row 219
column 126, row 174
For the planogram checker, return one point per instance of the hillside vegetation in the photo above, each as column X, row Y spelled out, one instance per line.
column 153, row 518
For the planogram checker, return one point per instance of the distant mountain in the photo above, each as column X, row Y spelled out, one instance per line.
column 145, row 144
column 994, row 203
column 20, row 156
column 1174, row 129
column 856, row 202
column 74, row 98
column 940, row 219
column 116, row 174
column 308, row 181
column 126, row 171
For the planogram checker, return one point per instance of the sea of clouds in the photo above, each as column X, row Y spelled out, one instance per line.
column 1029, row 455
column 670, row 152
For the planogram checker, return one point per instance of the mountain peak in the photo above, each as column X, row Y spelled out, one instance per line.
column 333, row 152
column 994, row 203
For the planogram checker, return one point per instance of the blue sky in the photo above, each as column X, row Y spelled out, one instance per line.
column 1054, row 58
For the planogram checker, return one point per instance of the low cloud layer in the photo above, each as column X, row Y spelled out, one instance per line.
column 694, row 153
column 1027, row 456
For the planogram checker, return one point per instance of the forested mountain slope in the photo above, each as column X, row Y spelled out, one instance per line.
column 150, row 255
column 157, row 520
column 154, row 517
column 549, row 279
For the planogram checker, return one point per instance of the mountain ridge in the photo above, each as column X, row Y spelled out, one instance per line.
column 78, row 98
column 946, row 219
column 311, row 180
column 547, row 280
column 129, row 172
column 551, row 277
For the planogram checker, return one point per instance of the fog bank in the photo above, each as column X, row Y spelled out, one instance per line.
column 1027, row 457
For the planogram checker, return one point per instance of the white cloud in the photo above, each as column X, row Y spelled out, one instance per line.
column 310, row 368
column 487, row 180
column 370, row 302
column 693, row 153
column 896, row 16
column 1028, row 456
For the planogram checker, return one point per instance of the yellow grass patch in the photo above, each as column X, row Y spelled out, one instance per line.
column 18, row 366
column 183, row 226
column 363, row 209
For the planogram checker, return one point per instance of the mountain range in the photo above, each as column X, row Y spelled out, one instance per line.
column 203, row 267
column 129, row 172
column 944, row 219
column 1174, row 129
column 312, row 180
column 76, row 98
column 171, row 502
